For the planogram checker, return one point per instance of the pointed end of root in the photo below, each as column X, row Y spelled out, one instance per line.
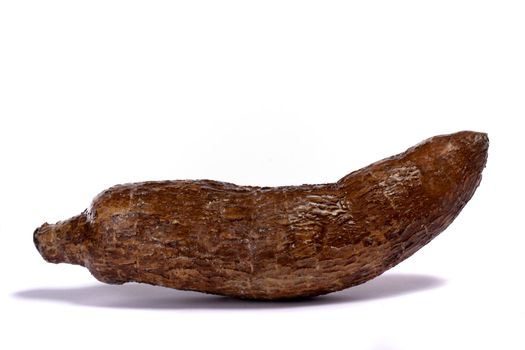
column 62, row 242
column 479, row 140
column 475, row 146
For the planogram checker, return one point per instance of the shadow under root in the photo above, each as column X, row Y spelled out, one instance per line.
column 143, row 296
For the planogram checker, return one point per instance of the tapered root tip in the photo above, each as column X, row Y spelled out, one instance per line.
column 62, row 242
column 48, row 244
column 35, row 239
column 477, row 153
column 480, row 139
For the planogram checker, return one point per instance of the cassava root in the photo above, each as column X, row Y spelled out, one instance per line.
column 272, row 243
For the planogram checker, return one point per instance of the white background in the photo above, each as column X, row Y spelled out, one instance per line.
column 95, row 93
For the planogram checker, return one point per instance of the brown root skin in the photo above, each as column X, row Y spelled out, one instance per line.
column 63, row 241
column 272, row 243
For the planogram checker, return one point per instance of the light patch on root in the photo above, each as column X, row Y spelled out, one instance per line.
column 399, row 181
column 449, row 147
column 315, row 208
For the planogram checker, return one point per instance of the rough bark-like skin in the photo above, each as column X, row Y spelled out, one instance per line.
column 271, row 243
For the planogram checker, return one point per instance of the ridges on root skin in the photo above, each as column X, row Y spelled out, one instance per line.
column 314, row 207
column 398, row 181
